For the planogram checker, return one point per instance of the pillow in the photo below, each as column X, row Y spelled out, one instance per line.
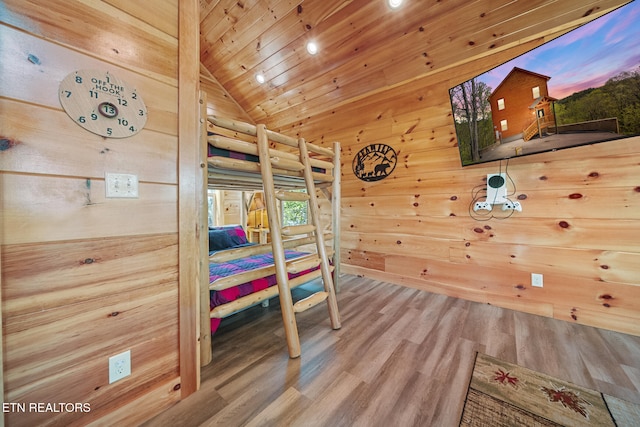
column 226, row 237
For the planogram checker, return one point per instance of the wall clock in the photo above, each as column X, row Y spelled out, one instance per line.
column 102, row 103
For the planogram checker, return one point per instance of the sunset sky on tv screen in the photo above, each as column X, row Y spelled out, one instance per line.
column 584, row 58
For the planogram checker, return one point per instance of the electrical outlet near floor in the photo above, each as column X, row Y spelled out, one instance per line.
column 536, row 280
column 119, row 366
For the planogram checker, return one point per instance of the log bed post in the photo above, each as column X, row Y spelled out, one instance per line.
column 203, row 268
column 286, row 300
column 335, row 214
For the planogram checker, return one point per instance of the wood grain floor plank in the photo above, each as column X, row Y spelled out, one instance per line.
column 402, row 357
column 282, row 411
column 633, row 373
column 322, row 410
column 386, row 388
column 450, row 401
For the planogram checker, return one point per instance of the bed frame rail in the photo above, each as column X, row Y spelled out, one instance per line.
column 292, row 167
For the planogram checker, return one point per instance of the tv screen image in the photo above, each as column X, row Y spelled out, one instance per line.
column 580, row 88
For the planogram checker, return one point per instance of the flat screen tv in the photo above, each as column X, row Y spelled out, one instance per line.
column 580, row 88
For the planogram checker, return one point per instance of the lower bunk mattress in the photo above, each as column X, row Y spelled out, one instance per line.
column 219, row 270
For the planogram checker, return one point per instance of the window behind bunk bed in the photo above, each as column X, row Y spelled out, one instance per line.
column 295, row 213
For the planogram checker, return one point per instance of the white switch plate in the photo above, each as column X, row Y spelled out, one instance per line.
column 119, row 366
column 536, row 280
column 121, row 185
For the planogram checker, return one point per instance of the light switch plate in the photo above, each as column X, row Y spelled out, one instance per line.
column 121, row 185
column 537, row 280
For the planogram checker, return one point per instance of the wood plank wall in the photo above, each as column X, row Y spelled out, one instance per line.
column 85, row 277
column 580, row 224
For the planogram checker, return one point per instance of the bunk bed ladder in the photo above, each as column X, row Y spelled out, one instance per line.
column 277, row 232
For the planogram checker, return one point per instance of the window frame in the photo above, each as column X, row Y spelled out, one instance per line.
column 534, row 90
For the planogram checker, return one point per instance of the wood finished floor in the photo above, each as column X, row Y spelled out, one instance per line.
column 402, row 358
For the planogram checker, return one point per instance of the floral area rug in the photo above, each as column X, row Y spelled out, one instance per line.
column 504, row 394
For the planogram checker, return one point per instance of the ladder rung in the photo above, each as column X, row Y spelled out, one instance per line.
column 310, row 301
column 294, row 230
column 288, row 164
column 301, row 264
column 292, row 196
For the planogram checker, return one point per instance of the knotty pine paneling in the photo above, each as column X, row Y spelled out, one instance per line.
column 611, row 235
column 105, row 31
column 368, row 259
column 586, row 292
column 446, row 227
column 48, row 208
column 241, row 45
column 38, row 66
column 605, row 166
column 232, row 207
column 41, row 276
column 456, row 290
column 402, row 244
column 163, row 17
column 581, row 206
column 282, row 25
column 102, row 321
column 154, row 400
column 601, row 265
column 219, row 102
column 406, row 207
column 72, row 153
column 88, row 379
column 85, row 277
column 356, row 66
column 415, row 100
column 605, row 319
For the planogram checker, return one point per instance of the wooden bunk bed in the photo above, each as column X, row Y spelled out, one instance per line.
column 242, row 156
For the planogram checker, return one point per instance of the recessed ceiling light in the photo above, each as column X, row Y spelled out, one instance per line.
column 312, row 48
column 394, row 4
column 260, row 78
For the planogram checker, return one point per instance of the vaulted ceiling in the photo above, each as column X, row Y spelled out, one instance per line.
column 364, row 45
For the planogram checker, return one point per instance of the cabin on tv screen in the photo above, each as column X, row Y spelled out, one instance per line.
column 521, row 106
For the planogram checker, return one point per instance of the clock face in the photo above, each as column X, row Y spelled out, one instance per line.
column 102, row 103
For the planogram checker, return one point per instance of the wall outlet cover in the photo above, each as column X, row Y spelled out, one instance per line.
column 119, row 366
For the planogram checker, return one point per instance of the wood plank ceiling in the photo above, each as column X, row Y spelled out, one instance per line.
column 364, row 45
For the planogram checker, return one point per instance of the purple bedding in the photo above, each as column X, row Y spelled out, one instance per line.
column 218, row 270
